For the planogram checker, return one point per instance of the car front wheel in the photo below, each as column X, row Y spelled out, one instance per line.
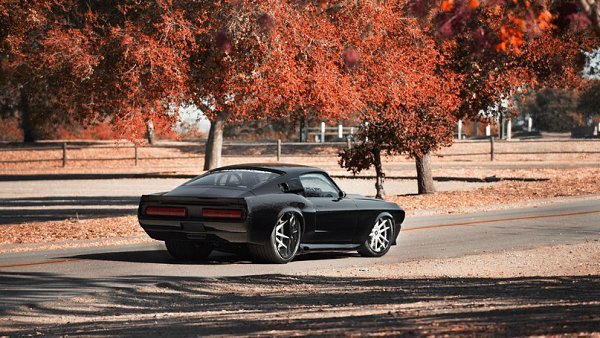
column 283, row 243
column 188, row 250
column 380, row 239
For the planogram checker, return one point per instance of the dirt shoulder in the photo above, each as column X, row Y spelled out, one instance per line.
column 545, row 291
column 514, row 188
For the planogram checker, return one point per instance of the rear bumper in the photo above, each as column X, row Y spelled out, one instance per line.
column 232, row 232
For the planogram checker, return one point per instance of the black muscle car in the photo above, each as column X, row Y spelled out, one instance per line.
column 275, row 210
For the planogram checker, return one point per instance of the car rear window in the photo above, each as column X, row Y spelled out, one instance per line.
column 238, row 178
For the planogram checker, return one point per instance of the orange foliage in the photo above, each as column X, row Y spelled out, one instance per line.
column 516, row 18
column 264, row 59
column 447, row 5
column 544, row 20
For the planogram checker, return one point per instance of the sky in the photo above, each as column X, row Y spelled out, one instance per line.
column 592, row 68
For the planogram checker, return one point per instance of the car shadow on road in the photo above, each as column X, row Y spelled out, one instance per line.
column 162, row 257
column 216, row 257
column 277, row 304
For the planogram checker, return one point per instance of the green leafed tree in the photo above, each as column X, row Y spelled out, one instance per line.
column 553, row 110
column 589, row 101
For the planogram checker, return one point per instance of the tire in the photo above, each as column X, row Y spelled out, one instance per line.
column 284, row 241
column 380, row 239
column 188, row 250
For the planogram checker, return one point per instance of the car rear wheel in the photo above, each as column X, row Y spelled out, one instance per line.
column 283, row 243
column 380, row 239
column 188, row 250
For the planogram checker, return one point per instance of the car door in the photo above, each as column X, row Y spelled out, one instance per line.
column 335, row 216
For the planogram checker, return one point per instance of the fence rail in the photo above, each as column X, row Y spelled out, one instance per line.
column 273, row 149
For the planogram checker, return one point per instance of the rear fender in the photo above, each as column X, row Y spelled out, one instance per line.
column 265, row 210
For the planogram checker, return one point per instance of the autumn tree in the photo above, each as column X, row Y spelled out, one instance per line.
column 225, row 65
column 45, row 56
column 489, row 52
column 131, row 63
column 94, row 61
column 405, row 96
column 361, row 59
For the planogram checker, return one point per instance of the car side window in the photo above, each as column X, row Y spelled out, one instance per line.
column 318, row 185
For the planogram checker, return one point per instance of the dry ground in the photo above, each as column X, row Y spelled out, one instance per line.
column 513, row 188
column 546, row 291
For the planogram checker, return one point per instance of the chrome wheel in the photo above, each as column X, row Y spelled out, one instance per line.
column 380, row 236
column 380, row 239
column 286, row 236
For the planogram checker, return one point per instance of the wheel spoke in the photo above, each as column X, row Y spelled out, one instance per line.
column 379, row 238
column 287, row 235
column 280, row 244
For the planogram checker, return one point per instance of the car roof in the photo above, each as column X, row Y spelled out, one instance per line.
column 287, row 168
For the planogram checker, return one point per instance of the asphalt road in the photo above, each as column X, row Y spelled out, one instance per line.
column 28, row 278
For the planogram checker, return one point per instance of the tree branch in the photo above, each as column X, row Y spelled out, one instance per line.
column 592, row 10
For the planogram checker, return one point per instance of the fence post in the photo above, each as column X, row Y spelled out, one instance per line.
column 459, row 129
column 529, row 124
column 278, row 150
column 349, row 143
column 492, row 148
column 322, row 132
column 64, row 153
column 135, row 147
column 509, row 129
column 340, row 131
column 488, row 130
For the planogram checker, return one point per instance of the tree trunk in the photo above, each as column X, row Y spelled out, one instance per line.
column 379, row 174
column 214, row 144
column 424, row 176
column 26, row 124
column 303, row 130
column 150, row 135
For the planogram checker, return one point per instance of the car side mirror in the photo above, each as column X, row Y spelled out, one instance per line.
column 293, row 186
column 342, row 194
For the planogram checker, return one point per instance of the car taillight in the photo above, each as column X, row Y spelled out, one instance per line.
column 165, row 211
column 222, row 213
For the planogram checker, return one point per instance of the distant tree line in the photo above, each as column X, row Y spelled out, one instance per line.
column 560, row 110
